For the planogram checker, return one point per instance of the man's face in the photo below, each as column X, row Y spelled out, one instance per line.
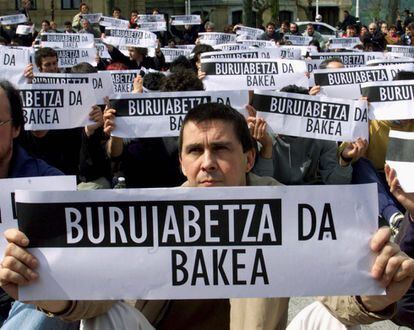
column 7, row 131
column 84, row 9
column 284, row 28
column 116, row 14
column 384, row 28
column 372, row 27
column 292, row 28
column 134, row 16
column 45, row 27
column 213, row 156
column 135, row 55
column 270, row 29
column 49, row 65
column 85, row 24
column 310, row 29
column 335, row 65
column 68, row 27
column 350, row 32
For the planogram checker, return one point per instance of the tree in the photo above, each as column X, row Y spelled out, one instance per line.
column 248, row 13
column 306, row 8
column 262, row 5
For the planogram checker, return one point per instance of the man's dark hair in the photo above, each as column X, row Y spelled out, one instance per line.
column 180, row 63
column 182, row 80
column 218, row 111
column 201, row 48
column 271, row 23
column 83, row 67
column 42, row 53
column 404, row 75
column 45, row 21
column 68, row 23
column 153, row 81
column 295, row 89
column 309, row 24
column 16, row 107
column 116, row 9
column 326, row 62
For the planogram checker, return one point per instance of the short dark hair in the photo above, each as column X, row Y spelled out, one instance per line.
column 404, row 75
column 181, row 62
column 42, row 53
column 15, row 102
column 68, row 23
column 45, row 21
column 271, row 23
column 83, row 67
column 295, row 89
column 153, row 81
column 182, row 80
column 116, row 9
column 83, row 4
column 326, row 62
column 218, row 111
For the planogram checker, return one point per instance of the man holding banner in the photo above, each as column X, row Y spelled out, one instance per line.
column 215, row 150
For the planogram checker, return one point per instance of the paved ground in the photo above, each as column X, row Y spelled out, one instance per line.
column 297, row 304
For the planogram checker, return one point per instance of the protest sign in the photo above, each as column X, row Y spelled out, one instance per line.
column 150, row 18
column 69, row 57
column 400, row 157
column 343, row 43
column 249, row 74
column 345, row 82
column 248, row 32
column 349, row 59
column 153, row 26
column 13, row 61
column 312, row 116
column 13, row 19
column 185, row 20
column 390, row 100
column 92, row 18
column 113, row 22
column 216, row 38
column 184, row 243
column 231, row 47
column 390, row 61
column 403, row 50
column 171, row 54
column 122, row 81
column 257, row 43
column 99, row 83
column 161, row 114
column 266, row 53
column 298, row 40
column 25, row 29
column 130, row 37
column 67, row 40
column 190, row 47
column 295, row 52
column 8, row 217
column 102, row 50
column 47, row 107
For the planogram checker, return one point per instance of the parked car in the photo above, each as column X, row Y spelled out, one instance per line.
column 327, row 31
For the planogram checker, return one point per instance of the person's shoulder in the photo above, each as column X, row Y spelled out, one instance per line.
column 255, row 180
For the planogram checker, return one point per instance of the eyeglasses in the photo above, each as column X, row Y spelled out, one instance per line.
column 4, row 122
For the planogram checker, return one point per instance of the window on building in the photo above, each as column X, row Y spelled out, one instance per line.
column 32, row 7
column 70, row 4
column 285, row 15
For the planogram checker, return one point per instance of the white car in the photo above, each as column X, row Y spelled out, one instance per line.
column 327, row 31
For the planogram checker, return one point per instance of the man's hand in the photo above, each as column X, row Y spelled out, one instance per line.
column 96, row 116
column 392, row 268
column 354, row 151
column 28, row 73
column 258, row 130
column 406, row 199
column 315, row 90
column 109, row 120
column 138, row 84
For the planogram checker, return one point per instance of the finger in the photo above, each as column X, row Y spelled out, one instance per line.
column 251, row 110
column 405, row 270
column 382, row 259
column 18, row 267
column 380, row 239
column 14, row 235
column 392, row 267
column 15, row 251
column 387, row 170
column 7, row 276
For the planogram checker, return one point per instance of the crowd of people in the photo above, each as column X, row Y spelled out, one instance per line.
column 217, row 147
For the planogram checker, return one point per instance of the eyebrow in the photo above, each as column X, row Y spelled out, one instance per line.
column 212, row 144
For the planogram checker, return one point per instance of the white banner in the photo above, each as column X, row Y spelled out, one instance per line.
column 343, row 43
column 13, row 61
column 161, row 114
column 250, row 74
column 265, row 53
column 258, row 43
column 403, row 50
column 102, row 50
column 67, row 40
column 70, row 57
column 8, row 217
column 231, row 47
column 248, row 32
column 153, row 26
column 171, row 54
column 400, row 157
column 390, row 61
column 47, row 107
column 13, row 19
column 390, row 100
column 216, row 38
column 25, row 29
column 130, row 38
column 295, row 52
column 345, row 83
column 150, row 18
column 185, row 20
column 122, row 81
column 113, row 22
column 183, row 243
column 298, row 40
column 92, row 18
column 312, row 116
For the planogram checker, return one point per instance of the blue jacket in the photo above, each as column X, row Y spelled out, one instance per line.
column 22, row 165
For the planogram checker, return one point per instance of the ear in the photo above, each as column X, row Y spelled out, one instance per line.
column 250, row 158
column 16, row 132
column 182, row 167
